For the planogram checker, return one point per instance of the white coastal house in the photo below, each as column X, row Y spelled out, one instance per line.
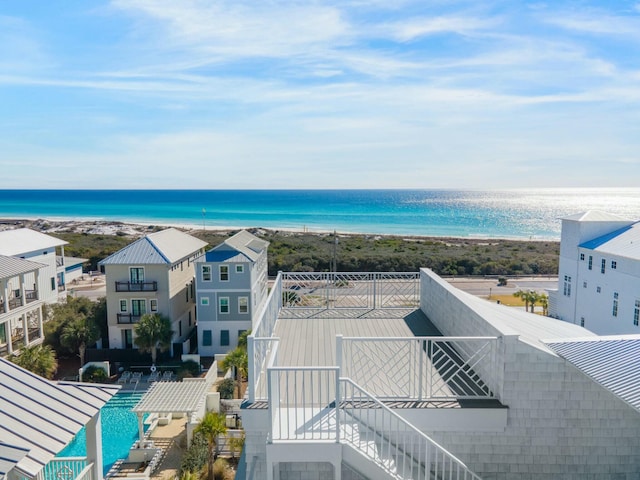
column 599, row 274
column 359, row 376
column 44, row 249
column 231, row 289
column 154, row 274
column 39, row 417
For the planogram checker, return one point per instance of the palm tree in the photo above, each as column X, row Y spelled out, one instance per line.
column 524, row 296
column 211, row 427
column 39, row 359
column 239, row 361
column 79, row 334
column 544, row 303
column 242, row 339
column 153, row 333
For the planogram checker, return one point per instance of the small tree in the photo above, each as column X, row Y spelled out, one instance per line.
column 39, row 359
column 242, row 339
column 211, row 427
column 78, row 334
column 544, row 303
column 524, row 296
column 239, row 361
column 153, row 333
column 226, row 388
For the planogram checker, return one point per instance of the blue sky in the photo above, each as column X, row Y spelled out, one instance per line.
column 303, row 94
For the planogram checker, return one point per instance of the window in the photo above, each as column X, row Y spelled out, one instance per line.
column 584, row 284
column 243, row 304
column 224, row 338
column 123, row 305
column 582, row 321
column 614, row 264
column 598, row 289
column 53, row 283
column 206, row 338
column 138, row 307
column 204, row 301
column 239, row 268
column 582, row 256
column 603, row 264
column 566, row 291
column 153, row 305
column 224, row 304
column 636, row 313
column 206, row 273
column 224, row 273
column 614, row 310
column 590, row 262
column 136, row 274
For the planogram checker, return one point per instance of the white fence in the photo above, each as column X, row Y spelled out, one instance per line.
column 67, row 468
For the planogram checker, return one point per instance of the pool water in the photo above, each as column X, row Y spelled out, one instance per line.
column 119, row 431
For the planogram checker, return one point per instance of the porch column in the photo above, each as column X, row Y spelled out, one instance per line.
column 40, row 322
column 25, row 329
column 23, row 294
column 94, row 445
column 8, row 329
column 140, row 428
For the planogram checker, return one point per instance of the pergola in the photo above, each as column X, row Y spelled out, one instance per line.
column 171, row 397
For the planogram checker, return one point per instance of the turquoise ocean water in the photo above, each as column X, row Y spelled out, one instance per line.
column 521, row 213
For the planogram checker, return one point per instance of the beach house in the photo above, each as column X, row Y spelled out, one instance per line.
column 39, row 417
column 154, row 274
column 403, row 376
column 599, row 274
column 44, row 249
column 231, row 288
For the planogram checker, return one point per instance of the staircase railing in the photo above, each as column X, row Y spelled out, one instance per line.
column 393, row 443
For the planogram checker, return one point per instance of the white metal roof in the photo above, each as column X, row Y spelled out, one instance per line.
column 11, row 266
column 170, row 397
column 505, row 320
column 9, row 457
column 596, row 216
column 611, row 361
column 246, row 243
column 165, row 247
column 624, row 242
column 42, row 416
column 24, row 240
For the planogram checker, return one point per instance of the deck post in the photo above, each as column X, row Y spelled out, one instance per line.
column 251, row 380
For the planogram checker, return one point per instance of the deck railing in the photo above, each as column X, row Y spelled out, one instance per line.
column 126, row 318
column 31, row 295
column 420, row 368
column 68, row 468
column 261, row 345
column 368, row 291
column 392, row 442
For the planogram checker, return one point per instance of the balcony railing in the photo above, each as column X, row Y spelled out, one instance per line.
column 61, row 288
column 72, row 468
column 15, row 303
column 31, row 295
column 128, row 318
column 136, row 286
column 2, row 308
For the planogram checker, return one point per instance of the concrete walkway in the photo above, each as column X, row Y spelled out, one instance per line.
column 172, row 438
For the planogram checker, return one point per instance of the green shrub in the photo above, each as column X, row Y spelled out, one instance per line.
column 222, row 470
column 195, row 458
column 188, row 369
column 94, row 374
column 226, row 388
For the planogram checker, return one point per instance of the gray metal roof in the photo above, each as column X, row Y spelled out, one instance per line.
column 245, row 243
column 24, row 240
column 624, row 242
column 165, row 247
column 11, row 266
column 42, row 416
column 611, row 361
column 173, row 397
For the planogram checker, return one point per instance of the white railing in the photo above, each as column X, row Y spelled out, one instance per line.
column 67, row 468
column 261, row 345
column 302, row 403
column 350, row 290
column 420, row 368
column 393, row 443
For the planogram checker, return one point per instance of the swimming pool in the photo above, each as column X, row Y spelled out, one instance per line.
column 119, row 431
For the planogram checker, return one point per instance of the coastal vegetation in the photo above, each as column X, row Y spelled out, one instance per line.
column 304, row 251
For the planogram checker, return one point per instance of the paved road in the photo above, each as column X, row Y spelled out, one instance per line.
column 482, row 287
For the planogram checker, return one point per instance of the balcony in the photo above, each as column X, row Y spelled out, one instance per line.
column 136, row 286
column 31, row 295
column 2, row 307
column 15, row 303
column 61, row 288
column 128, row 318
